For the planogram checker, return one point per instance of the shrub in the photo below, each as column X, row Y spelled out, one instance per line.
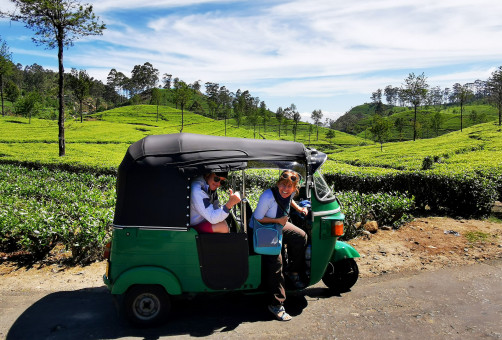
column 390, row 209
column 454, row 194
column 41, row 208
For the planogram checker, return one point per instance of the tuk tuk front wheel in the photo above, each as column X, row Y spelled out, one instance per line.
column 146, row 305
column 340, row 276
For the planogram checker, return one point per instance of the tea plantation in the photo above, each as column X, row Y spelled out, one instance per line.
column 49, row 202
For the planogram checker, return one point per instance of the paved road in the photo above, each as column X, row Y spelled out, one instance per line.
column 456, row 303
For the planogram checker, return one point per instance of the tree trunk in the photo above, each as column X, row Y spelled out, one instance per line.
column 62, row 148
column 182, row 119
column 461, row 115
column 415, row 125
column 1, row 91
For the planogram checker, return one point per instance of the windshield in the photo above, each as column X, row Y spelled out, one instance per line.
column 322, row 190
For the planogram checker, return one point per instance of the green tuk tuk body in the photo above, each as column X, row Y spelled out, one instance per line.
column 154, row 255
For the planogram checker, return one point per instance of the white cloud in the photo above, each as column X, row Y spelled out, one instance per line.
column 314, row 50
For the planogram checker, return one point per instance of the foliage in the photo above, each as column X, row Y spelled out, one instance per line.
column 57, row 23
column 40, row 208
column 28, row 105
column 456, row 194
column 6, row 67
column 464, row 173
column 380, row 129
column 495, row 91
column 388, row 209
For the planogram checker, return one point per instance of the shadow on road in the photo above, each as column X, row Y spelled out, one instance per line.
column 92, row 313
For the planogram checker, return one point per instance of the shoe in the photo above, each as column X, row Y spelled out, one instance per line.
column 279, row 313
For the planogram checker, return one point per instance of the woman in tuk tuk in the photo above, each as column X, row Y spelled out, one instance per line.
column 206, row 214
column 273, row 207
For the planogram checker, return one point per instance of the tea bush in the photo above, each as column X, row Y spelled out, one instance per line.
column 388, row 209
column 455, row 194
column 40, row 208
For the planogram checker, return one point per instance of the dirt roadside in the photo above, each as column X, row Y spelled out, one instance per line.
column 423, row 244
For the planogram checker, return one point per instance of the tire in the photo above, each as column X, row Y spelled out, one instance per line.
column 146, row 305
column 340, row 276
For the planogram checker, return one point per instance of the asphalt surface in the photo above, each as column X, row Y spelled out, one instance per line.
column 454, row 303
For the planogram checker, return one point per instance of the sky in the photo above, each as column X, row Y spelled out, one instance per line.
column 328, row 55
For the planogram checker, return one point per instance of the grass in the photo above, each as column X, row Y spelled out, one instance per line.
column 475, row 149
column 477, row 236
column 102, row 139
column 451, row 120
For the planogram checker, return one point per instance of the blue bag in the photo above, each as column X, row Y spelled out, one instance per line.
column 267, row 238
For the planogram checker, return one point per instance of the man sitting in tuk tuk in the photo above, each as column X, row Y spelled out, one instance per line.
column 206, row 214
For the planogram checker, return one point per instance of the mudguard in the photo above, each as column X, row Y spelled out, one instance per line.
column 147, row 275
column 343, row 251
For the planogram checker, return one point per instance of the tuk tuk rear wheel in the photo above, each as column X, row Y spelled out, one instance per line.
column 340, row 276
column 146, row 305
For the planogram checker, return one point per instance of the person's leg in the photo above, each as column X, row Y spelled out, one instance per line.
column 221, row 227
column 203, row 227
column 273, row 278
column 296, row 240
column 206, row 228
column 273, row 282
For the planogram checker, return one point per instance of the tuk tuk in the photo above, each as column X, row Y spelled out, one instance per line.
column 154, row 255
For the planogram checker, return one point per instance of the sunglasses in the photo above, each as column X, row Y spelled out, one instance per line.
column 293, row 178
column 217, row 179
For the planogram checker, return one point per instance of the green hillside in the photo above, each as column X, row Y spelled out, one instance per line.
column 359, row 119
column 102, row 139
column 477, row 148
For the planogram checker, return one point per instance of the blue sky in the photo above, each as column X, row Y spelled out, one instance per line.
column 326, row 54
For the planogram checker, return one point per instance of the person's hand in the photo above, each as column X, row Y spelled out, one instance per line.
column 233, row 198
column 304, row 210
column 282, row 220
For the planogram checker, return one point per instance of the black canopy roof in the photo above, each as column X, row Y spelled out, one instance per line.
column 192, row 151
column 153, row 185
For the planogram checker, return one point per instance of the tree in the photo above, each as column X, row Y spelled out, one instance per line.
column 436, row 121
column 156, row 98
column 195, row 86
column 461, row 94
column 330, row 123
column 167, row 80
column 239, row 105
column 391, row 94
column 296, row 118
column 380, row 130
column 143, row 77
column 330, row 135
column 400, row 124
column 12, row 92
column 317, row 118
column 58, row 23
column 5, row 67
column 225, row 98
column 80, row 83
column 415, row 92
column 28, row 105
column 494, row 85
column 183, row 93
column 213, row 104
column 435, row 97
column 265, row 115
column 279, row 116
